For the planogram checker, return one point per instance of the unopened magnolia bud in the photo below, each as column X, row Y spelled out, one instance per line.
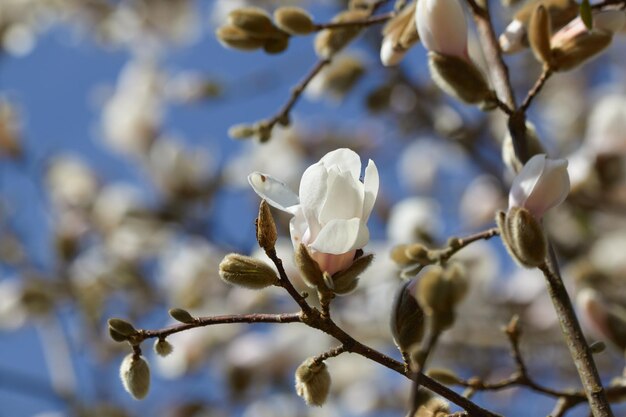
column 539, row 33
column 330, row 41
column 266, row 233
column 247, row 272
column 181, row 315
column 241, row 131
column 444, row 376
column 439, row 291
column 399, row 34
column 234, row 37
column 135, row 376
column 399, row 255
column 121, row 327
column 294, row 20
column 418, row 253
column 276, row 45
column 313, row 382
column 162, row 347
column 579, row 49
column 523, row 236
column 309, row 269
column 459, row 78
column 514, row 328
column 252, row 20
column 345, row 281
column 407, row 318
column 339, row 78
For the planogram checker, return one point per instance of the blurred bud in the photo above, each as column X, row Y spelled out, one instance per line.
column 234, row 37
column 434, row 407
column 162, row 347
column 442, row 27
column 399, row 34
column 252, row 20
column 439, row 292
column 294, row 20
column 459, row 78
column 533, row 147
column 539, row 32
column 135, row 375
column 399, row 256
column 597, row 347
column 181, row 315
column 444, row 376
column 241, row 131
column 313, row 382
column 266, row 233
column 513, row 329
column 407, row 318
column 346, row 280
column 247, row 272
column 122, row 327
column 419, row 253
column 523, row 236
column 276, row 45
column 338, row 78
column 309, row 268
column 330, row 41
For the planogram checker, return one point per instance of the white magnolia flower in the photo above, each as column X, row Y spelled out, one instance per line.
column 542, row 184
column 331, row 211
column 442, row 26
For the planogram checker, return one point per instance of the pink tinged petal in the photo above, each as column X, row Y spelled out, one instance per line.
column 344, row 197
column 341, row 236
column 345, row 159
column 275, row 192
column 312, row 192
column 333, row 263
column 442, row 26
column 541, row 185
column 609, row 20
column 371, row 182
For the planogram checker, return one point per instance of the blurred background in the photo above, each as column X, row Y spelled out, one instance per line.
column 120, row 192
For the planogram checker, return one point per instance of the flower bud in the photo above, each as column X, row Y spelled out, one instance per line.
column 121, row 329
column 135, row 375
column 442, row 27
column 399, row 255
column 276, row 45
column 539, row 32
column 399, row 34
column 434, row 407
column 247, row 272
column 294, row 20
column 313, row 382
column 181, row 315
column 523, row 236
column 439, row 291
column 407, row 318
column 234, row 37
column 162, row 347
column 253, row 20
column 573, row 51
column 266, row 233
column 444, row 376
column 241, row 131
column 309, row 269
column 459, row 77
column 330, row 41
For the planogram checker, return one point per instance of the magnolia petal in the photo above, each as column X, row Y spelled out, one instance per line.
column 313, row 186
column 371, row 182
column 275, row 192
column 345, row 159
column 525, row 181
column 344, row 197
column 298, row 228
column 341, row 236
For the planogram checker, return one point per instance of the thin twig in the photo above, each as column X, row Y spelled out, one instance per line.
column 547, row 72
column 460, row 243
column 286, row 283
column 330, row 354
column 374, row 20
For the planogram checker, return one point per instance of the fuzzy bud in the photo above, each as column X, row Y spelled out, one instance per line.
column 241, row 131
column 247, row 272
column 407, row 318
column 276, row 45
column 459, row 77
column 309, row 269
column 181, row 315
column 313, row 382
column 266, row 233
column 574, row 51
column 444, row 376
column 345, row 281
column 539, row 32
column 399, row 255
column 234, row 37
column 121, row 327
column 439, row 291
column 162, row 347
column 330, row 41
column 294, row 20
column 135, row 376
column 253, row 20
column 523, row 236
column 399, row 34
column 434, row 407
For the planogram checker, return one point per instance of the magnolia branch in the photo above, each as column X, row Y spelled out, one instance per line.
column 456, row 244
column 374, row 20
column 547, row 72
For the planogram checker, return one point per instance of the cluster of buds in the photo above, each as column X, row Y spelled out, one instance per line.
column 573, row 43
column 313, row 382
column 399, row 35
column 251, row 28
column 442, row 28
column 541, row 185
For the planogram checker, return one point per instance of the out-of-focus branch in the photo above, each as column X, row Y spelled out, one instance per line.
column 547, row 72
column 374, row 20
